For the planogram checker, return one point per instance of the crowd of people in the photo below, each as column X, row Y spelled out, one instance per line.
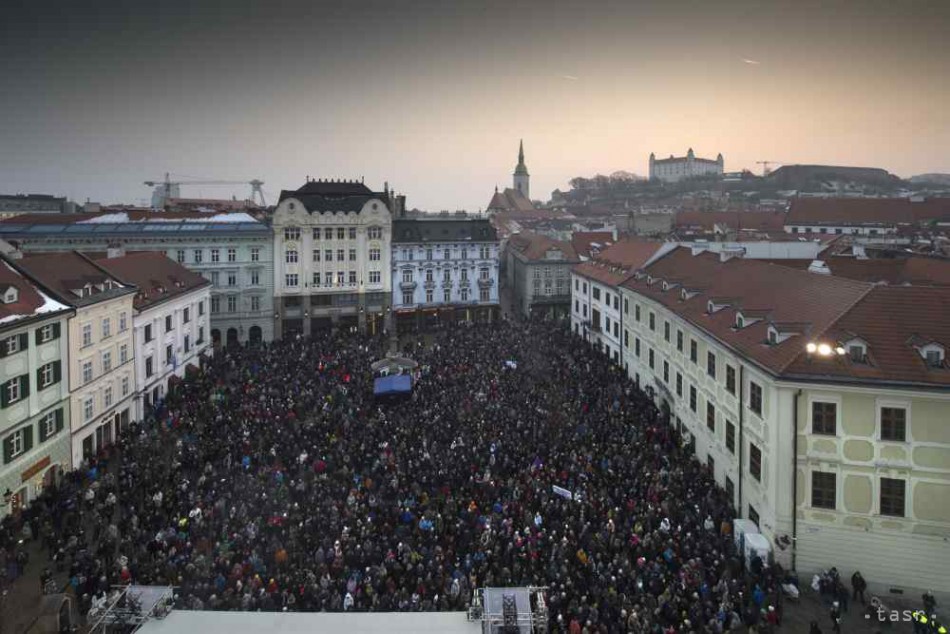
column 273, row 480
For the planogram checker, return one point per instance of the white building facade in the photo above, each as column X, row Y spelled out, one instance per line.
column 332, row 258
column 170, row 323
column 445, row 267
column 676, row 168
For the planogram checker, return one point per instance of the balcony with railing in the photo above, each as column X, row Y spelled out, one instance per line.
column 407, row 286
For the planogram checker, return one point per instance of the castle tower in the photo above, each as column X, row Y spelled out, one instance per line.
column 521, row 177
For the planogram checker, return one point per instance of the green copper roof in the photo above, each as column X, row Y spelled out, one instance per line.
column 521, row 169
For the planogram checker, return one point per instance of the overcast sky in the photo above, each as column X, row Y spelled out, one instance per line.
column 434, row 96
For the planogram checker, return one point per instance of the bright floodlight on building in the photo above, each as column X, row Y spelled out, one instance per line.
column 824, row 349
column 811, row 348
column 841, row 351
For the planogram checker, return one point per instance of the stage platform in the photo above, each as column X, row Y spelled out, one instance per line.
column 208, row 622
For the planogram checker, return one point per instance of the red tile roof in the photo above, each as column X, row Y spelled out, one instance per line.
column 916, row 271
column 775, row 294
column 67, row 271
column 618, row 261
column 157, row 277
column 534, row 246
column 891, row 320
column 510, row 200
column 30, row 300
column 866, row 211
column 583, row 241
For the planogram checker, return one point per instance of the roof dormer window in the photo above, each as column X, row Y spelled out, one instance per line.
column 773, row 336
column 857, row 351
column 934, row 354
column 11, row 295
column 740, row 322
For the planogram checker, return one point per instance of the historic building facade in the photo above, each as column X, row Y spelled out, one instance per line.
column 824, row 424
column 677, row 168
column 170, row 322
column 233, row 250
column 100, row 353
column 444, row 267
column 332, row 257
column 538, row 271
column 34, row 390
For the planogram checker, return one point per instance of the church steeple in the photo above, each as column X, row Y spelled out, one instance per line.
column 521, row 176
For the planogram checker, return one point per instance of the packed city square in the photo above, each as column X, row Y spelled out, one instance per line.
column 273, row 481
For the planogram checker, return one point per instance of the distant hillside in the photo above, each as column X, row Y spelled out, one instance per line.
column 834, row 178
column 931, row 179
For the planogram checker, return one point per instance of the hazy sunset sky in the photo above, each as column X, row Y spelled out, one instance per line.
column 434, row 96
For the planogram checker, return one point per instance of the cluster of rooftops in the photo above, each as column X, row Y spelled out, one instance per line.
column 790, row 322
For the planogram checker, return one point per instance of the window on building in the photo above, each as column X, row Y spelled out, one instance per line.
column 753, row 515
column 711, row 416
column 216, row 278
column 215, row 304
column 616, row 303
column 464, row 293
column 47, row 333
column 894, row 424
column 198, row 256
column 483, row 274
column 201, row 331
column 255, row 304
column 169, row 323
column 407, row 298
column 484, row 295
column 823, row 490
column 291, row 279
column 375, row 233
column 86, row 336
column 596, row 293
column 201, row 308
column 255, row 278
column 106, row 361
column 352, row 233
column 341, row 233
column 730, row 490
column 755, row 397
column 731, row 380
column 123, row 354
column 232, row 255
column 48, row 374
column 650, row 357
column 107, row 397
column 125, row 386
column 429, row 296
column 711, row 364
column 232, row 278
column 352, row 255
column 86, row 372
column 679, row 384
column 636, row 347
column 316, row 278
column 232, row 303
column 255, row 254
column 730, row 437
column 292, row 233
column 666, row 372
column 693, row 351
column 291, row 256
column 892, row 497
column 666, row 331
column 824, row 418
column 169, row 355
column 186, row 315
column 147, row 332
column 149, row 369
column 693, row 400
column 215, row 255
column 428, row 254
column 180, row 256
column 375, row 254
column 447, row 295
column 340, row 255
column 636, row 312
column 652, row 321
column 679, row 340
column 351, row 278
column 375, row 277
column 755, row 461
column 447, row 254
column 407, row 276
column 328, row 255
column 464, row 254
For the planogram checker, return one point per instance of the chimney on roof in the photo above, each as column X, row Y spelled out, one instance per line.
column 115, row 251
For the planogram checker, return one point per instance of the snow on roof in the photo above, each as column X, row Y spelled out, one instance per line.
column 49, row 304
column 122, row 217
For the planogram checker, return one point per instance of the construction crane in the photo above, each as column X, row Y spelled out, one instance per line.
column 167, row 188
column 765, row 166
